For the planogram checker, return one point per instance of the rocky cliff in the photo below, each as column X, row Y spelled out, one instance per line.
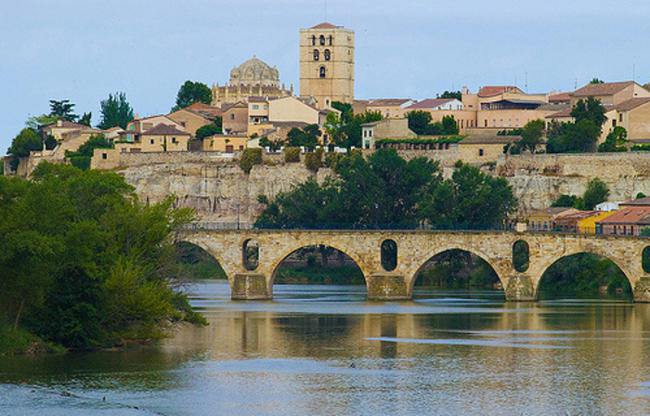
column 218, row 190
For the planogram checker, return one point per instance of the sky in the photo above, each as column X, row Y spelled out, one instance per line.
column 83, row 50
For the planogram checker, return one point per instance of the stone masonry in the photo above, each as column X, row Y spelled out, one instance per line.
column 415, row 248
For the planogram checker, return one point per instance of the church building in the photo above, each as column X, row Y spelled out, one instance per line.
column 327, row 64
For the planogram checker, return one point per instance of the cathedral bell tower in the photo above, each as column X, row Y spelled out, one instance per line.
column 327, row 64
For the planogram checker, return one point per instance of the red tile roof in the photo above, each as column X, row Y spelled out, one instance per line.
column 636, row 202
column 204, row 109
column 629, row 215
column 632, row 103
column 492, row 90
column 325, row 25
column 430, row 103
column 607, row 88
column 164, row 130
column 559, row 98
column 387, row 102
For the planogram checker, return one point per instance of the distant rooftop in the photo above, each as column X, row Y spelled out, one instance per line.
column 325, row 25
column 430, row 103
column 607, row 88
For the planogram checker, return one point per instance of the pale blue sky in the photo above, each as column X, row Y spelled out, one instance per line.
column 85, row 49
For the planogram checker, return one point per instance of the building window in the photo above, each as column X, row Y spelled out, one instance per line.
column 104, row 156
column 322, row 72
column 183, row 123
column 330, row 39
column 241, row 147
column 316, row 55
column 613, row 122
column 481, row 152
column 485, row 122
column 620, row 117
column 313, row 40
column 232, row 116
column 256, row 107
column 151, row 141
column 322, row 40
column 174, row 140
column 327, row 54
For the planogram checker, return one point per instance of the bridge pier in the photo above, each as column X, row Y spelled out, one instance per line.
column 250, row 286
column 387, row 286
column 520, row 288
column 642, row 290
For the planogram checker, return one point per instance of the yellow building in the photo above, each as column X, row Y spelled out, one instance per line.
column 588, row 225
column 164, row 138
column 327, row 64
column 224, row 143
column 195, row 116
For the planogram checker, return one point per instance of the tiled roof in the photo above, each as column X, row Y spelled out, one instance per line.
column 559, row 98
column 289, row 124
column 387, row 102
column 491, row 91
column 607, row 88
column 632, row 103
column 566, row 112
column 67, row 124
column 204, row 109
column 429, row 103
column 629, row 215
column 325, row 25
column 636, row 202
column 164, row 130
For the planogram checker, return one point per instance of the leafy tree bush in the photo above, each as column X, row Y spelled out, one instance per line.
column 314, row 160
column 345, row 130
column 192, row 92
column 83, row 263
column 115, row 111
column 616, row 141
column 81, row 158
column 597, row 191
column 385, row 190
column 210, row 129
column 332, row 160
column 291, row 154
column 26, row 141
column 582, row 135
column 306, row 137
column 250, row 158
column 451, row 94
column 63, row 109
column 420, row 123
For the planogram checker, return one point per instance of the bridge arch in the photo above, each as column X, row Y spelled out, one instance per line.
column 624, row 267
column 498, row 270
column 278, row 260
column 216, row 254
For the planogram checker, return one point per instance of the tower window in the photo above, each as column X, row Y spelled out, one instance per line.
column 317, row 55
column 330, row 39
column 313, row 40
column 322, row 40
column 327, row 54
column 322, row 72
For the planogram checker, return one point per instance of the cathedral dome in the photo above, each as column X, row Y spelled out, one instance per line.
column 255, row 72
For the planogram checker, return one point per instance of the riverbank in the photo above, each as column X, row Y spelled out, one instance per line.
column 14, row 341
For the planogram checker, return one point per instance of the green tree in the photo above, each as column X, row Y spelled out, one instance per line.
column 36, row 122
column 83, row 263
column 306, row 137
column 451, row 94
column 597, row 191
column 249, row 158
column 590, row 109
column 532, row 135
column 616, row 141
column 568, row 201
column 115, row 111
column 596, row 81
column 85, row 119
column 210, row 129
column 63, row 109
column 81, row 157
column 470, row 199
column 449, row 125
column 26, row 141
column 192, row 92
column 418, row 121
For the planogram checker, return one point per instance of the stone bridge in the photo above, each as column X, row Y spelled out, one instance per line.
column 414, row 250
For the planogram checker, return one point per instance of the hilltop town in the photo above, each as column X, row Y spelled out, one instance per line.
column 255, row 132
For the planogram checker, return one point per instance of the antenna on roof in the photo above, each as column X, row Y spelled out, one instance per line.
column 526, row 81
column 575, row 85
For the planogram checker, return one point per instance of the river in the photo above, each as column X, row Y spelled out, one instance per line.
column 324, row 350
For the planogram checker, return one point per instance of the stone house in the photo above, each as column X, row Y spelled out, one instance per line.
column 235, row 118
column 164, row 138
column 137, row 126
column 388, row 128
column 629, row 220
column 195, row 116
column 225, row 143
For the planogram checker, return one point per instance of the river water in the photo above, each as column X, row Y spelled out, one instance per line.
column 324, row 350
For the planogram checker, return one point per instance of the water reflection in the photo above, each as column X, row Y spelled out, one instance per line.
column 324, row 350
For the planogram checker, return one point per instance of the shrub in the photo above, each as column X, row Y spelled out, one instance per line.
column 291, row 154
column 314, row 160
column 333, row 159
column 250, row 158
